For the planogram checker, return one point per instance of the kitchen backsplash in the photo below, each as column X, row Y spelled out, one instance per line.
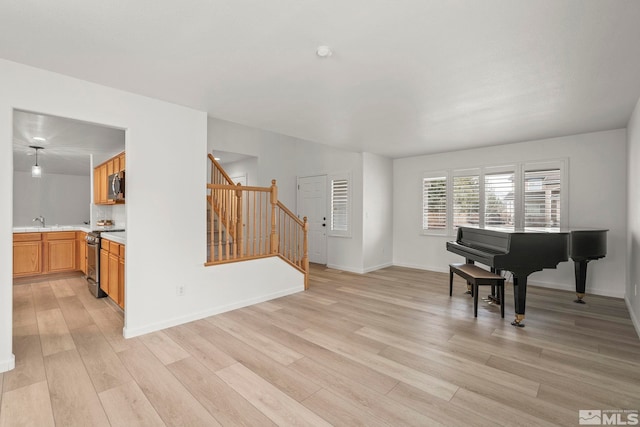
column 116, row 213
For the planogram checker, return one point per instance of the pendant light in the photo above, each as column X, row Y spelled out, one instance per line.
column 36, row 171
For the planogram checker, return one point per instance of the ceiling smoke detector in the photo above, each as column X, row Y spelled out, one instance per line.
column 324, row 51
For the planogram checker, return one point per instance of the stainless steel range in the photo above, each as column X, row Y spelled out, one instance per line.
column 93, row 261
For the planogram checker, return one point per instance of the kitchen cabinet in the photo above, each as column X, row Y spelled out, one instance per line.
column 121, row 278
column 81, row 251
column 101, row 175
column 60, row 251
column 100, row 185
column 49, row 252
column 27, row 254
column 114, row 254
column 112, row 270
column 104, row 268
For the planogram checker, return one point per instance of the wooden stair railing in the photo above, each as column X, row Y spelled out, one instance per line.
column 218, row 175
column 252, row 223
column 218, row 203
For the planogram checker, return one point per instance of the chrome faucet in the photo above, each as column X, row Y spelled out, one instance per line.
column 40, row 218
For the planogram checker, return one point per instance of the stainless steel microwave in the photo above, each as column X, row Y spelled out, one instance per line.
column 116, row 186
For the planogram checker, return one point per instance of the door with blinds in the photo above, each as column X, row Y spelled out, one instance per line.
column 312, row 203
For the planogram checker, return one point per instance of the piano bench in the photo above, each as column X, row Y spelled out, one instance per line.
column 477, row 276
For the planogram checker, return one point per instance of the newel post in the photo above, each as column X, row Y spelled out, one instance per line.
column 239, row 222
column 305, row 253
column 274, row 202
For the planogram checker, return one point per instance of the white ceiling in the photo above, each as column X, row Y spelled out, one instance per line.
column 68, row 143
column 406, row 77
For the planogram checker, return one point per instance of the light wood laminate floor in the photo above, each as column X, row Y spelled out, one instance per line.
column 385, row 348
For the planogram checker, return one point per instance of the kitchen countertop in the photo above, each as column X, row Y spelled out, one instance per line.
column 116, row 236
column 82, row 227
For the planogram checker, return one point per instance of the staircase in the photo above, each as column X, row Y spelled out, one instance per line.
column 245, row 223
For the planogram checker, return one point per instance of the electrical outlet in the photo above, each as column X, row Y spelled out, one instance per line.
column 180, row 290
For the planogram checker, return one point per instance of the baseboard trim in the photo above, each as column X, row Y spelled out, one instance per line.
column 572, row 288
column 8, row 364
column 378, row 267
column 559, row 286
column 134, row 332
column 422, row 267
column 359, row 271
column 632, row 314
column 343, row 268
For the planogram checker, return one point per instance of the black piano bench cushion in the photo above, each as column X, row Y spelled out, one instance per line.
column 477, row 276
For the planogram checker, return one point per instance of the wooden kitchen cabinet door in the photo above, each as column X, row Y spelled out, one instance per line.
column 81, row 252
column 61, row 255
column 27, row 258
column 114, row 288
column 100, row 185
column 121, row 282
column 104, row 270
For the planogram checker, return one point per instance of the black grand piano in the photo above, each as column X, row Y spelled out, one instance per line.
column 529, row 250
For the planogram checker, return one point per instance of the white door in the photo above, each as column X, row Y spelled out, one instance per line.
column 312, row 203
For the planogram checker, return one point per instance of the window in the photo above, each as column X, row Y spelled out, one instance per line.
column 339, row 221
column 434, row 203
column 466, row 201
column 542, row 198
column 509, row 196
column 499, row 200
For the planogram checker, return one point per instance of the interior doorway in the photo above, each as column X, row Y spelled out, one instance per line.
column 312, row 203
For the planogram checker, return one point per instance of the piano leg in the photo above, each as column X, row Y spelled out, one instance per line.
column 520, row 298
column 581, row 279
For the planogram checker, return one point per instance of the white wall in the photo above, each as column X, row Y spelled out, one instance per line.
column 61, row 199
column 343, row 253
column 377, row 190
column 166, row 226
column 633, row 236
column 273, row 151
column 597, row 198
column 247, row 167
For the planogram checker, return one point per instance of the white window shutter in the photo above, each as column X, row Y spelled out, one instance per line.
column 542, row 191
column 434, row 203
column 466, row 201
column 499, row 200
column 339, row 224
